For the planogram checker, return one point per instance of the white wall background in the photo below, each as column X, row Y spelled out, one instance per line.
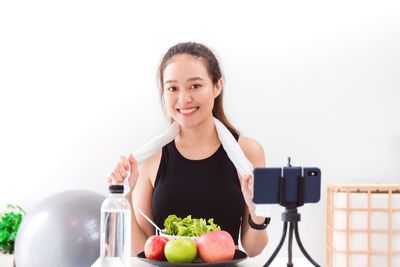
column 314, row 80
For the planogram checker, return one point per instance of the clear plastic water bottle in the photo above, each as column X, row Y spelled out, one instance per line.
column 115, row 228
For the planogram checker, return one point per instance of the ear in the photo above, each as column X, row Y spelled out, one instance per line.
column 218, row 87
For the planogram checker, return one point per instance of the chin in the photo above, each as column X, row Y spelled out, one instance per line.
column 187, row 124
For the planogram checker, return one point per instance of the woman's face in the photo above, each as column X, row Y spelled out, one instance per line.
column 188, row 90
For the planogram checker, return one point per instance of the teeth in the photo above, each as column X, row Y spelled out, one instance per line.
column 185, row 111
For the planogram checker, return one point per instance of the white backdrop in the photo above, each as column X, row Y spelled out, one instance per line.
column 316, row 81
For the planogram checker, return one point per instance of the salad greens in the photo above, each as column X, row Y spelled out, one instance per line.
column 188, row 226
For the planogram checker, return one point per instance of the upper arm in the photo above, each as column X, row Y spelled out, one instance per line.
column 143, row 192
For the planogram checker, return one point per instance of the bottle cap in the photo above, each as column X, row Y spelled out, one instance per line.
column 116, row 188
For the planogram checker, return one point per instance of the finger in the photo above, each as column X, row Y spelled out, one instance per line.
column 116, row 177
column 125, row 162
column 251, row 186
column 251, row 181
column 132, row 160
column 134, row 169
column 245, row 186
column 245, row 179
column 118, row 173
column 113, row 178
column 121, row 169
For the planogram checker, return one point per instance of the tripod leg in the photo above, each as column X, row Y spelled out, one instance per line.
column 296, row 232
column 279, row 245
column 290, row 263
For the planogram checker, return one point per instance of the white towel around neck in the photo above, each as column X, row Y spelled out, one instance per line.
column 230, row 145
column 228, row 142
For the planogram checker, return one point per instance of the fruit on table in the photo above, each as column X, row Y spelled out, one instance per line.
column 154, row 247
column 180, row 250
column 216, row 246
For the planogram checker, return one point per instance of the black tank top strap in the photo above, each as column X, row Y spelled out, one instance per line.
column 168, row 159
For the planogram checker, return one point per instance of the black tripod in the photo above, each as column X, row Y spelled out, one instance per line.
column 292, row 216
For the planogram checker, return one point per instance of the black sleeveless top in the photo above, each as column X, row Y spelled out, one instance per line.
column 206, row 188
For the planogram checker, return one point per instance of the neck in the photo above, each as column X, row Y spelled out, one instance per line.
column 201, row 135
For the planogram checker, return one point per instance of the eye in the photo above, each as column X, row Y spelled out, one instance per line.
column 195, row 86
column 171, row 89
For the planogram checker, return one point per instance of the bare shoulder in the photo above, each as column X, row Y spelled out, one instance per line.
column 253, row 150
column 148, row 169
column 249, row 144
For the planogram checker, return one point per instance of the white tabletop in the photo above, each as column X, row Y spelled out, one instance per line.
column 250, row 262
column 278, row 262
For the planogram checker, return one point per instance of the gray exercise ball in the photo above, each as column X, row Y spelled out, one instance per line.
column 62, row 230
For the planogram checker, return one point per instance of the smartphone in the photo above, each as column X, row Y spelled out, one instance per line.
column 284, row 185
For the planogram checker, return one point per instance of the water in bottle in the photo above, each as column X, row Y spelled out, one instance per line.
column 115, row 228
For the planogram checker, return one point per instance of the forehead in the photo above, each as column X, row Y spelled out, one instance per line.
column 182, row 67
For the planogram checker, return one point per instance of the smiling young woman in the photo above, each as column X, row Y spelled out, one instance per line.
column 193, row 175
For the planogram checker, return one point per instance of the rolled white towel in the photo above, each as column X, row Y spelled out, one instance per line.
column 231, row 146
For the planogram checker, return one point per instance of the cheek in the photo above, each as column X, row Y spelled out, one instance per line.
column 209, row 101
column 206, row 97
column 169, row 103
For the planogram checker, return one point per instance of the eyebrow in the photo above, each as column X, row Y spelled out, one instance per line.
column 188, row 80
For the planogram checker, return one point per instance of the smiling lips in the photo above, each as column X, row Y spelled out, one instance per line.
column 187, row 111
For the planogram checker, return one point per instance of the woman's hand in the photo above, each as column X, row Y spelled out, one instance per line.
column 248, row 192
column 119, row 173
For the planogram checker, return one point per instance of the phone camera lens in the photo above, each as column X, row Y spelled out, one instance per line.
column 312, row 173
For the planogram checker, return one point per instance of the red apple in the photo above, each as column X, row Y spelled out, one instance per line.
column 216, row 246
column 154, row 247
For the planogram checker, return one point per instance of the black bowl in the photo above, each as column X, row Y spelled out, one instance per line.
column 239, row 256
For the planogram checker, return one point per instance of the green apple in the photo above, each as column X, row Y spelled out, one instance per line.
column 180, row 250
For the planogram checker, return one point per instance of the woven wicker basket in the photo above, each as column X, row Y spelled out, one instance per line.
column 363, row 225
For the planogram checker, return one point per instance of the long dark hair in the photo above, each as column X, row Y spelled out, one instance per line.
column 214, row 71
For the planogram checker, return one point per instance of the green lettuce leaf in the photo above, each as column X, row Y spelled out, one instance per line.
column 189, row 226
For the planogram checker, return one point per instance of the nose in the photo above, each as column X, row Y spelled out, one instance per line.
column 184, row 97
